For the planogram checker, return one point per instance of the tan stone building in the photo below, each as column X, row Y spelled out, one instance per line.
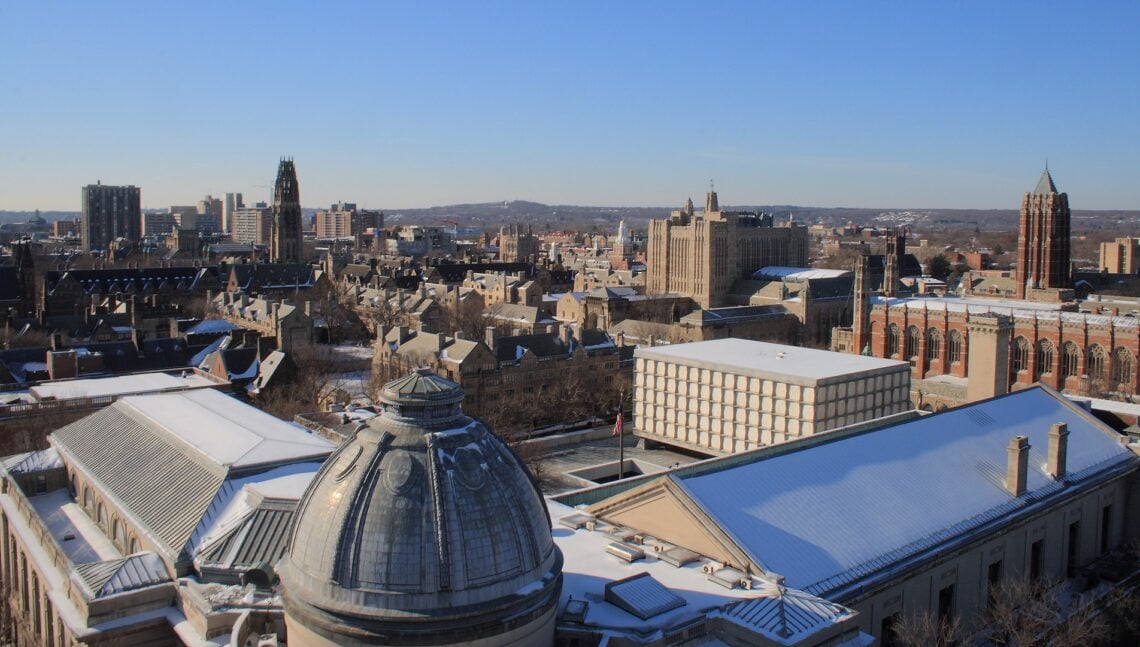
column 731, row 395
column 1121, row 256
column 701, row 255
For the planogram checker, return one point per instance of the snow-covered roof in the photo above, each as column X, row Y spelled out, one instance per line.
column 119, row 385
column 775, row 273
column 1009, row 307
column 211, row 326
column 228, row 432
column 588, row 567
column 826, row 515
column 777, row 361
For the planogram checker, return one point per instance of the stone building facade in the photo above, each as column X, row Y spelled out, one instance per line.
column 285, row 243
column 516, row 245
column 701, row 255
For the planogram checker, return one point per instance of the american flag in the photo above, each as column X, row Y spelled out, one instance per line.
column 618, row 425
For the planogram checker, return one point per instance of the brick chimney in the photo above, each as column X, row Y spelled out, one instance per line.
column 1017, row 464
column 1058, row 450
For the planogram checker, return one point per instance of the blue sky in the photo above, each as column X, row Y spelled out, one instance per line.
column 864, row 104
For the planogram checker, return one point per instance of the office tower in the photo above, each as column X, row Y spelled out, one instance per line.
column 285, row 246
column 110, row 212
column 1043, row 246
column 252, row 225
column 210, row 214
column 230, row 203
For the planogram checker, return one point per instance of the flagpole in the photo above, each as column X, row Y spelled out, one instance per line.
column 621, row 436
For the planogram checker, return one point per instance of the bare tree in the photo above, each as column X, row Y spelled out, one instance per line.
column 927, row 629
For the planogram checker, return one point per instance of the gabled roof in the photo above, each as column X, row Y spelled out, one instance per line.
column 828, row 512
column 164, row 458
column 104, row 579
column 1045, row 185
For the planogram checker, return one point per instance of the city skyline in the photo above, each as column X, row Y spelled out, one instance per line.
column 869, row 105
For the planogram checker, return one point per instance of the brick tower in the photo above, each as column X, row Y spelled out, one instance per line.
column 1043, row 246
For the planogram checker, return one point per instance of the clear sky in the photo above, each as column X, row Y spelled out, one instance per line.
column 901, row 104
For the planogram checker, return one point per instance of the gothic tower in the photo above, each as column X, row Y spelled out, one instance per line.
column 285, row 245
column 892, row 262
column 1043, row 238
column 861, row 317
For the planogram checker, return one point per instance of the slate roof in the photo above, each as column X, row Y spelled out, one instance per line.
column 104, row 579
column 132, row 279
column 165, row 458
column 1045, row 185
column 827, row 515
column 273, row 275
column 782, row 614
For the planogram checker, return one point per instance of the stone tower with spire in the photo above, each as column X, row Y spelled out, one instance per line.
column 285, row 244
column 1043, row 243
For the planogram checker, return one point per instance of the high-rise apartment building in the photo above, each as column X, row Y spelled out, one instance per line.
column 110, row 212
column 344, row 220
column 1043, row 245
column 700, row 255
column 185, row 216
column 252, row 224
column 285, row 246
column 210, row 214
column 232, row 202
column 158, row 223
column 1121, row 256
column 336, row 221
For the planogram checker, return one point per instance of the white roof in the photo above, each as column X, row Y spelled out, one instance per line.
column 789, row 363
column 776, row 272
column 829, row 514
column 119, row 385
column 227, row 431
column 1008, row 307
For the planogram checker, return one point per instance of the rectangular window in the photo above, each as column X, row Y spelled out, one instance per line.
column 1072, row 549
column 946, row 603
column 993, row 581
column 1036, row 556
column 1105, row 528
column 888, row 631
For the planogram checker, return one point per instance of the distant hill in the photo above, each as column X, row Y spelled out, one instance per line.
column 544, row 217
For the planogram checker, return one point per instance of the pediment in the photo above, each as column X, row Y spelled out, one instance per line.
column 661, row 508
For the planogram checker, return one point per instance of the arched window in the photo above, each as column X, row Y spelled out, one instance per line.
column 1122, row 366
column 102, row 516
column 1020, row 354
column 892, row 340
column 954, row 347
column 913, row 338
column 933, row 344
column 1094, row 362
column 117, row 533
column 1070, row 357
column 1044, row 357
column 135, row 547
column 88, row 500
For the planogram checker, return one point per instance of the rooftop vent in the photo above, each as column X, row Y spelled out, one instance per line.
column 626, row 552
